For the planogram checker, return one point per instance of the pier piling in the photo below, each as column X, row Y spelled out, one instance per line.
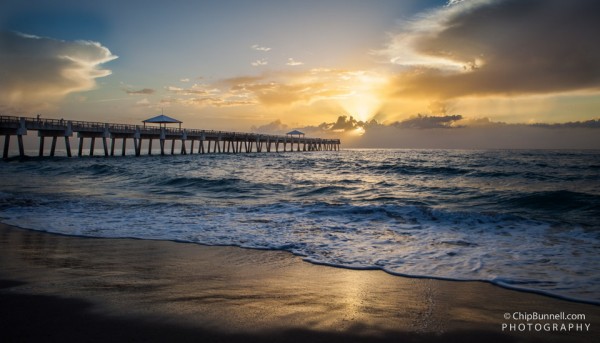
column 6, row 146
column 53, row 147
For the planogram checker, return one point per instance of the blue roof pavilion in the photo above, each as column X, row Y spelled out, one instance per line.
column 162, row 119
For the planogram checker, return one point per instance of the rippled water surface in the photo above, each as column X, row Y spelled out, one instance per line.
column 522, row 219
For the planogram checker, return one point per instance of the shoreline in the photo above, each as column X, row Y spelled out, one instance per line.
column 304, row 259
column 163, row 290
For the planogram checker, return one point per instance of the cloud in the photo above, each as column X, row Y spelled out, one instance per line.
column 453, row 2
column 145, row 91
column 36, row 72
column 143, row 102
column 194, row 90
column 325, row 89
column 498, row 136
column 428, row 122
column 274, row 127
column 492, row 47
column 588, row 124
column 185, row 80
column 260, row 48
column 261, row 62
column 344, row 123
column 287, row 88
column 507, row 137
column 292, row 62
column 455, row 132
column 205, row 95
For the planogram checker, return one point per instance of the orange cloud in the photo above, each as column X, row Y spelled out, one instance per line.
column 285, row 89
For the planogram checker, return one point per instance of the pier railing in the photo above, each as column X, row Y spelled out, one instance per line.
column 210, row 141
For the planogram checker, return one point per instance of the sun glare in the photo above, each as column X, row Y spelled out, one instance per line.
column 359, row 131
column 365, row 100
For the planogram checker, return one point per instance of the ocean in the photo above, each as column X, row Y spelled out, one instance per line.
column 522, row 219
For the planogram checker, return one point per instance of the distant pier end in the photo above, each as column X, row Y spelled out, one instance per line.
column 209, row 141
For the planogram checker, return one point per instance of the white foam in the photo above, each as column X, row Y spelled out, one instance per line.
column 412, row 241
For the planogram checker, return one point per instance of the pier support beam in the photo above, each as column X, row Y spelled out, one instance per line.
column 112, row 146
column 21, row 147
column 53, row 146
column 41, row 153
column 183, row 151
column 124, row 147
column 162, row 147
column 68, row 146
column 150, row 146
column 105, row 145
column 6, row 145
column 80, row 152
column 137, row 145
column 92, row 145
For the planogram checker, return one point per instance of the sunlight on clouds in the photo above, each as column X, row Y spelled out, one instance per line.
column 39, row 71
column 260, row 62
column 359, row 131
column 355, row 92
column 143, row 102
column 367, row 94
column 260, row 48
column 292, row 62
column 403, row 47
column 475, row 58
column 493, row 48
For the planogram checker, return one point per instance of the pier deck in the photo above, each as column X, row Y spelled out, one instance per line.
column 209, row 141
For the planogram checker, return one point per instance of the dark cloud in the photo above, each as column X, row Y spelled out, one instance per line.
column 508, row 47
column 145, row 91
column 456, row 132
column 343, row 123
column 488, row 137
column 428, row 122
column 588, row 124
column 37, row 71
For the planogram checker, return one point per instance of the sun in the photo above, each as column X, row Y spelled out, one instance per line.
column 365, row 99
column 359, row 131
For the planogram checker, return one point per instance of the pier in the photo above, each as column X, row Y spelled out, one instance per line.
column 208, row 141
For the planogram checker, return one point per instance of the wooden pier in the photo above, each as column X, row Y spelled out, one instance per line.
column 209, row 141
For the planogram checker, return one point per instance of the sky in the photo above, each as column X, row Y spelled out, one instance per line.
column 380, row 73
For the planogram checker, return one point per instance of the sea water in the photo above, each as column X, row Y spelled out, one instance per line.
column 520, row 219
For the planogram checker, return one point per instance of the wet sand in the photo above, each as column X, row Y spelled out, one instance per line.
column 67, row 289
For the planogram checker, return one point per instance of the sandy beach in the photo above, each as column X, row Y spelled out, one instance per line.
column 61, row 288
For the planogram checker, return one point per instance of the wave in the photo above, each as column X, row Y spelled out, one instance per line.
column 555, row 201
column 419, row 170
column 457, row 215
column 201, row 182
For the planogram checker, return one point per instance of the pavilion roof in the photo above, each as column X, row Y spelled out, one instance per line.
column 295, row 132
column 162, row 119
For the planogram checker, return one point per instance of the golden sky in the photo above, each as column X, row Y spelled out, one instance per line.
column 276, row 65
